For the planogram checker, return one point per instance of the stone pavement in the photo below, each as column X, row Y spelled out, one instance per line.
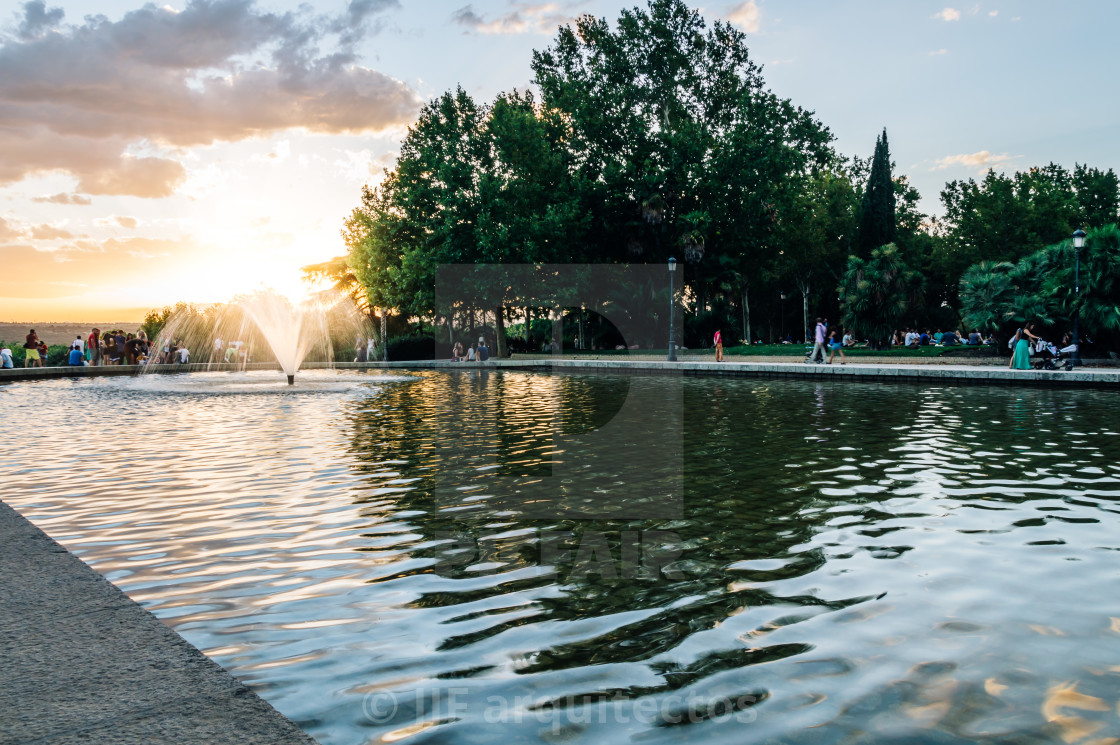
column 756, row 367
column 82, row 663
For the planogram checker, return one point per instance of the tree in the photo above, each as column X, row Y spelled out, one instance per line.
column 877, row 293
column 877, row 209
column 1040, row 287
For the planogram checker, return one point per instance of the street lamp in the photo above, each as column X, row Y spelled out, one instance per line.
column 672, row 271
column 1078, row 244
column 783, row 315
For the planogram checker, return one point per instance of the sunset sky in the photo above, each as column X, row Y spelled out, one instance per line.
column 194, row 150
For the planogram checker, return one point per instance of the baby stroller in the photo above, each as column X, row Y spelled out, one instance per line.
column 1052, row 358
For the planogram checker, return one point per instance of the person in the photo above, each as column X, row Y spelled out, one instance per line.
column 974, row 339
column 717, row 341
column 470, row 354
column 911, row 339
column 817, row 355
column 362, row 354
column 134, row 350
column 950, row 338
column 457, row 352
column 938, row 336
column 1023, row 339
column 31, row 350
column 835, row 345
column 483, row 353
column 79, row 344
column 119, row 339
column 43, row 351
column 849, row 340
column 217, row 355
column 77, row 359
column 184, row 355
column 369, row 350
column 924, row 339
column 6, row 361
column 93, row 347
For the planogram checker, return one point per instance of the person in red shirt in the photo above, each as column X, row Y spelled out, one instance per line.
column 93, row 347
column 718, row 341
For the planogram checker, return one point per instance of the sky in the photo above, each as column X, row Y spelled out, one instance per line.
column 196, row 150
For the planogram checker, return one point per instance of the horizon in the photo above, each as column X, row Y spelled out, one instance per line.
column 171, row 184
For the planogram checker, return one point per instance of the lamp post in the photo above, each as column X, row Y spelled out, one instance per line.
column 1078, row 244
column 672, row 347
column 783, row 315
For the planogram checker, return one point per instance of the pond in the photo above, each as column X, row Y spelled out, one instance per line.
column 472, row 557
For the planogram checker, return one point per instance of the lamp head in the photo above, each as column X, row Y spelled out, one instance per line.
column 672, row 264
column 1079, row 239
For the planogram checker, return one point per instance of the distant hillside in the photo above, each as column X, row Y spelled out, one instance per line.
column 58, row 333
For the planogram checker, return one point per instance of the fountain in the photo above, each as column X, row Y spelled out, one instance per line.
column 232, row 335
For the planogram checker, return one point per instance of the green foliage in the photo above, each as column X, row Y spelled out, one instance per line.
column 651, row 138
column 1007, row 218
column 1041, row 288
column 877, row 209
column 878, row 294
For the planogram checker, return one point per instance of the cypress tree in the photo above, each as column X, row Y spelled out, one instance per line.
column 876, row 215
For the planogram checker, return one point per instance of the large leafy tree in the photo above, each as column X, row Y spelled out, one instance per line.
column 677, row 145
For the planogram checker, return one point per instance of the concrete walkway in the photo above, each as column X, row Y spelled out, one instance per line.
column 939, row 374
column 82, row 663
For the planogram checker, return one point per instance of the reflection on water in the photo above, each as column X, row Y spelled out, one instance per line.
column 851, row 563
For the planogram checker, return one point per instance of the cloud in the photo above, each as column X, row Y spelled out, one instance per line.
column 526, row 17
column 37, row 20
column 948, row 14
column 124, row 222
column 8, row 231
column 981, row 161
column 80, row 98
column 139, row 177
column 746, row 16
column 63, row 198
column 938, row 52
column 50, row 233
column 993, row 13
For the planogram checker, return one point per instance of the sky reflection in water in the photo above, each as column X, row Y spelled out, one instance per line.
column 852, row 563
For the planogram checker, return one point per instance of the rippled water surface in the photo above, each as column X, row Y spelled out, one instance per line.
column 402, row 557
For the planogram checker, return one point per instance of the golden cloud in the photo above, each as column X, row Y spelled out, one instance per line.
column 76, row 98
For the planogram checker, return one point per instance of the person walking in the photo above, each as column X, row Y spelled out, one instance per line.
column 717, row 340
column 817, row 355
column 1023, row 339
column 835, row 345
column 31, row 350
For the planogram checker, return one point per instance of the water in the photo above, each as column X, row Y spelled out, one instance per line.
column 850, row 563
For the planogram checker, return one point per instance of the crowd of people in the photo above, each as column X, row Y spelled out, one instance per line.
column 118, row 347
column 913, row 338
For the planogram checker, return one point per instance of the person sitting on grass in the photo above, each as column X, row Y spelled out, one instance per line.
column 974, row 339
column 951, row 339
